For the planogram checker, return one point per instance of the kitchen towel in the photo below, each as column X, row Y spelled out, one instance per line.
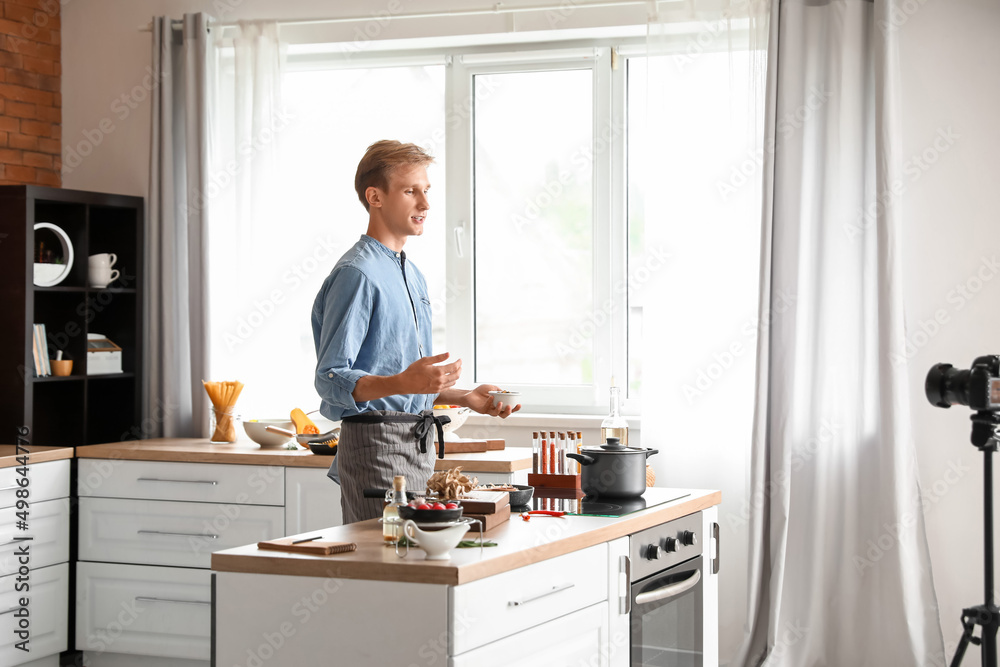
column 313, row 547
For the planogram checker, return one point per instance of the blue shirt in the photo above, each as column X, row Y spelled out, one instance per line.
column 368, row 320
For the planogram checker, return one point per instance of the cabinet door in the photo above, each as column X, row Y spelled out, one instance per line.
column 49, row 529
column 143, row 610
column 45, row 481
column 710, row 588
column 157, row 532
column 48, row 604
column 312, row 500
column 580, row 638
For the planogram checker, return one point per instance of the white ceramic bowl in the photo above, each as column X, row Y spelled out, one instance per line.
column 510, row 398
column 436, row 543
column 458, row 417
column 257, row 431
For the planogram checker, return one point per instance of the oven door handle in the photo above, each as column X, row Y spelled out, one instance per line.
column 669, row 591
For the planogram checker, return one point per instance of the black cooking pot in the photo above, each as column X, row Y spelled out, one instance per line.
column 613, row 470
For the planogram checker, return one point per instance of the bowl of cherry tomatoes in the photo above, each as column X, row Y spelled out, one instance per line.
column 430, row 510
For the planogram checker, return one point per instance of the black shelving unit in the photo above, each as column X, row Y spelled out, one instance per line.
column 80, row 409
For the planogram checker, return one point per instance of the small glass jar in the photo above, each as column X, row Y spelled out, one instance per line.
column 222, row 423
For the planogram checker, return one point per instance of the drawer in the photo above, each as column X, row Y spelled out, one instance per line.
column 484, row 611
column 158, row 532
column 48, row 525
column 144, row 610
column 196, row 482
column 48, row 606
column 45, row 482
column 580, row 638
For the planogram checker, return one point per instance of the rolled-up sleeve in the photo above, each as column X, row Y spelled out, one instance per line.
column 341, row 316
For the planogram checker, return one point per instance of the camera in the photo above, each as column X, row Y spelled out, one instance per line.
column 977, row 388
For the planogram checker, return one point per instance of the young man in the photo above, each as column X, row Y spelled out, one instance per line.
column 372, row 329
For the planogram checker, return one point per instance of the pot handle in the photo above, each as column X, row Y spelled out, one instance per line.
column 650, row 452
column 582, row 458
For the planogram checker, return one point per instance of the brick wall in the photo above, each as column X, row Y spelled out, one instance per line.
column 30, row 101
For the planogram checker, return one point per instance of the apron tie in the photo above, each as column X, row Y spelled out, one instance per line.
column 423, row 429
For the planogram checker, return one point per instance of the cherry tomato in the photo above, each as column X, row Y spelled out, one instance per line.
column 437, row 506
column 424, row 506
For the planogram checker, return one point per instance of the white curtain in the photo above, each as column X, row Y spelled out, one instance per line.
column 176, row 312
column 249, row 211
column 700, row 149
column 840, row 572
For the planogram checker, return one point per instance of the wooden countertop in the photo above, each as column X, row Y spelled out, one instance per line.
column 519, row 543
column 246, row 452
column 38, row 454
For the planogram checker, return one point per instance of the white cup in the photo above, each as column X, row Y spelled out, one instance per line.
column 107, row 259
column 99, row 269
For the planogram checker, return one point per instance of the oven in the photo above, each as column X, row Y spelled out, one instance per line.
column 666, row 596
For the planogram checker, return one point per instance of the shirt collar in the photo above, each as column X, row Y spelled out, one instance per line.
column 375, row 243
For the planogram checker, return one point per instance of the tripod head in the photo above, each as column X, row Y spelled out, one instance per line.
column 985, row 430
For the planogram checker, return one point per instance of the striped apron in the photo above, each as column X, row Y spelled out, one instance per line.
column 376, row 446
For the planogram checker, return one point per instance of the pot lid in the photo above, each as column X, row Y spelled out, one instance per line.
column 613, row 446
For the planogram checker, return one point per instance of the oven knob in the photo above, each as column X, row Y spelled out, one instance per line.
column 653, row 552
column 670, row 545
column 688, row 538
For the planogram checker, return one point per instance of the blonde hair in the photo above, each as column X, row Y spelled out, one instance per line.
column 380, row 160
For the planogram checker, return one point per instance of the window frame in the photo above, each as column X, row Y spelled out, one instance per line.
column 608, row 63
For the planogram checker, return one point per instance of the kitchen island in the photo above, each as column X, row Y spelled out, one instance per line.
column 151, row 512
column 552, row 592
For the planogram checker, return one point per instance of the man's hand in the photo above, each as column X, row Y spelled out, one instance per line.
column 423, row 377
column 479, row 399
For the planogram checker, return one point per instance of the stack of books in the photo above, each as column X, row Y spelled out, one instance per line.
column 40, row 349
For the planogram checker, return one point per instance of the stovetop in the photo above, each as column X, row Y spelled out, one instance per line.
column 578, row 504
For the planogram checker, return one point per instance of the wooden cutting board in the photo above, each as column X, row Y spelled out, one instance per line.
column 485, row 502
column 490, row 521
column 472, row 445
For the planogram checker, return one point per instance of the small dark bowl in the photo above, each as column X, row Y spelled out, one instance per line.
column 429, row 516
column 322, row 450
column 522, row 496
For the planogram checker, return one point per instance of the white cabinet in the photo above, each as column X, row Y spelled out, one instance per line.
column 143, row 610
column 147, row 530
column 512, row 601
column 196, row 482
column 580, row 638
column 312, row 500
column 47, row 595
column 157, row 532
column 49, row 529
column 47, row 609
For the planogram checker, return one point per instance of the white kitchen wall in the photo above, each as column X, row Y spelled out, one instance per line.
column 951, row 92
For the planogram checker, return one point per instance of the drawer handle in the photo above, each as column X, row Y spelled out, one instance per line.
column 145, row 599
column 669, row 591
column 554, row 589
column 9, row 611
column 164, row 532
column 179, row 481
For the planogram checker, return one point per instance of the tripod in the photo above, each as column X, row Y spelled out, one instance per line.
column 985, row 430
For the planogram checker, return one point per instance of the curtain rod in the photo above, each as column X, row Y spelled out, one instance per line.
column 498, row 8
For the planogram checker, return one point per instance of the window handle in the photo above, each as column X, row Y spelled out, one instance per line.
column 459, row 238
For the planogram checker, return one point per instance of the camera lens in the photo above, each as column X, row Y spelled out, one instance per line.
column 947, row 386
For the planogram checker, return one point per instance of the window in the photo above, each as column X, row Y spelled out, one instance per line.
column 548, row 228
